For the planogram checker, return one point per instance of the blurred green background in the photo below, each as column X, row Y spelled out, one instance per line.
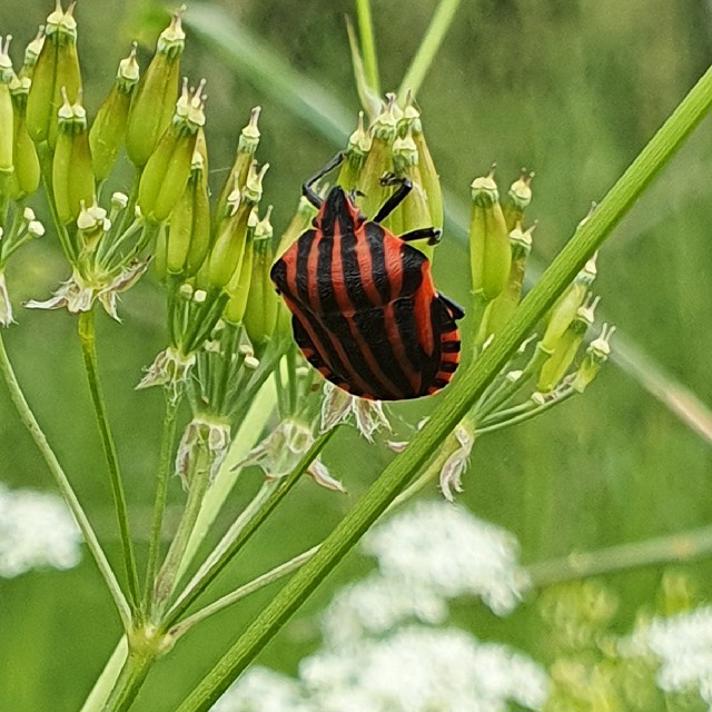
column 572, row 89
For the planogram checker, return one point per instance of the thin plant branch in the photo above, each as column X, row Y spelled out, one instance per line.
column 368, row 44
column 87, row 337
column 28, row 419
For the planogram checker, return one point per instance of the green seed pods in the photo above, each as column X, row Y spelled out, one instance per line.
column 109, row 128
column 26, row 177
column 7, row 118
column 518, row 199
column 153, row 104
column 355, row 157
column 596, row 355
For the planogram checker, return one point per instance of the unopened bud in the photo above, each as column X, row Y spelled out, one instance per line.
column 518, row 199
column 297, row 225
column 596, row 355
column 7, row 120
column 355, row 157
column 490, row 251
column 32, row 52
column 26, row 177
column 154, row 102
column 109, row 128
column 119, row 201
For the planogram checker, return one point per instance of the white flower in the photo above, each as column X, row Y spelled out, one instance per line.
column 419, row 669
column 36, row 531
column 447, row 549
column 683, row 644
column 262, row 690
column 456, row 465
column 338, row 406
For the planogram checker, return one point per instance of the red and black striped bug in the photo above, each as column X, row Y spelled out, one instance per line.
column 365, row 312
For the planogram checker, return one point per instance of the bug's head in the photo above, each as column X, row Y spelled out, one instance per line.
column 338, row 208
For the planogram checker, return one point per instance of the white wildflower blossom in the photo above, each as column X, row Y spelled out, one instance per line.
column 339, row 406
column 36, row 531
column 376, row 605
column 456, row 465
column 683, row 645
column 263, row 690
column 447, row 549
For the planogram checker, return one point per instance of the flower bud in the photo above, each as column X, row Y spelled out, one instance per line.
column 57, row 67
column 7, row 120
column 92, row 224
column 189, row 232
column 225, row 257
column 500, row 310
column 153, row 103
column 26, row 178
column 167, row 171
column 246, row 148
column 109, row 128
column 490, row 251
column 556, row 366
column 262, row 300
column 379, row 159
column 301, row 220
column 32, row 52
column 429, row 178
column 72, row 175
column 565, row 308
column 240, row 285
column 518, row 199
column 355, row 157
column 596, row 355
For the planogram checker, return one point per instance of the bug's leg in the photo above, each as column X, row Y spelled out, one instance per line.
column 308, row 188
column 433, row 234
column 404, row 187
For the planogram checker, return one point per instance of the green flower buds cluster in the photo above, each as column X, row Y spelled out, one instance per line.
column 490, row 251
column 225, row 257
column 26, row 176
column 188, row 239
column 556, row 366
column 72, row 173
column 109, row 128
column 246, row 148
column 152, row 106
column 262, row 303
column 167, row 171
column 56, row 69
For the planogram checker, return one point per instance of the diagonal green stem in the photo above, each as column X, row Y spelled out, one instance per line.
column 434, row 36
column 159, row 506
column 87, row 337
column 458, row 400
column 368, row 44
column 28, row 419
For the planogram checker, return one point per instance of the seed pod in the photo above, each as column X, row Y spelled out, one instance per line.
column 241, row 283
column 72, row 175
column 379, row 160
column 154, row 101
column 490, row 251
column 226, row 253
column 109, row 128
column 246, row 148
column 556, row 366
column 500, row 310
column 167, row 171
column 355, row 157
column 189, row 232
column 26, row 177
column 429, row 178
column 596, row 355
column 518, row 199
column 565, row 308
column 7, row 118
column 32, row 52
column 260, row 316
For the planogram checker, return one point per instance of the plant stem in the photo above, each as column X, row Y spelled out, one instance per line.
column 368, row 44
column 565, row 395
column 28, row 419
column 87, row 337
column 684, row 546
column 429, row 46
column 130, row 680
column 99, row 694
column 459, row 398
column 159, row 506
column 231, row 545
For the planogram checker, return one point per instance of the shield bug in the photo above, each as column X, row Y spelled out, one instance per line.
column 365, row 311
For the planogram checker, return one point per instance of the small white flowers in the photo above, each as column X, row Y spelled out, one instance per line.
column 338, row 406
column 36, row 531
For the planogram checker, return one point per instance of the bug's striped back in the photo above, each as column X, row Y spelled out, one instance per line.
column 365, row 310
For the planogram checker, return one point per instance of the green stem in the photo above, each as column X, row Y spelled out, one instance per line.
column 368, row 44
column 28, row 419
column 685, row 546
column 45, row 157
column 428, row 48
column 130, row 680
column 459, row 398
column 565, row 395
column 87, row 337
column 237, row 537
column 105, row 683
column 159, row 507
